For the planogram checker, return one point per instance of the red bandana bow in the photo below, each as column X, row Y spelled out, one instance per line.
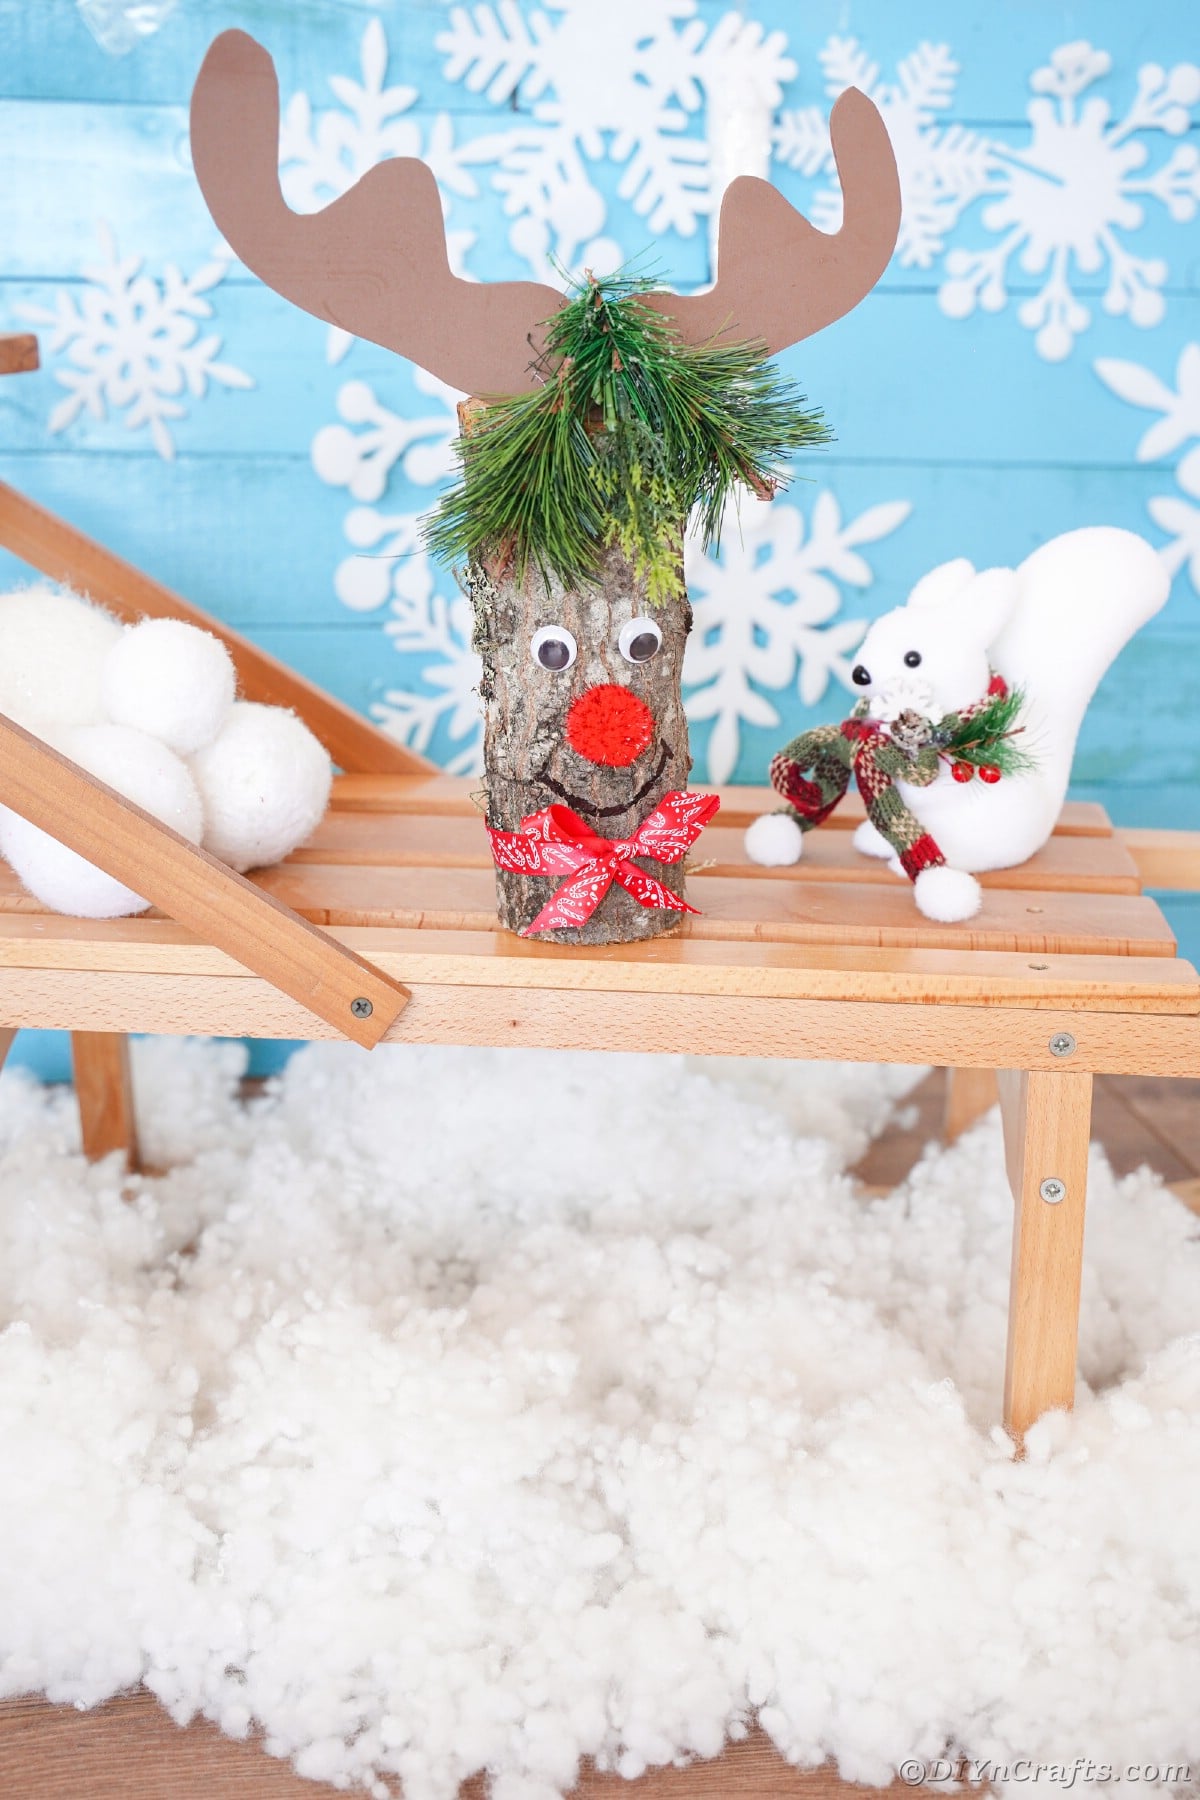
column 556, row 841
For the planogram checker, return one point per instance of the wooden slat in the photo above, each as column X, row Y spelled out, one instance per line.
column 453, row 899
column 104, row 1092
column 193, row 887
column 18, row 352
column 64, row 554
column 969, row 1094
column 1080, row 864
column 1046, row 1129
column 799, row 912
column 496, row 959
column 1188, row 1191
column 718, row 1024
column 1165, row 859
column 463, row 795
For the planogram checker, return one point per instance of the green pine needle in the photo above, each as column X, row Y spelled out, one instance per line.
column 989, row 735
column 634, row 434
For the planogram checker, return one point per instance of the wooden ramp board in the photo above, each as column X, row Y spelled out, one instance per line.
column 204, row 894
column 464, row 796
column 813, row 912
column 18, row 352
column 445, row 840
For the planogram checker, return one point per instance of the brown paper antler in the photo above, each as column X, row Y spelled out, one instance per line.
column 374, row 261
column 779, row 279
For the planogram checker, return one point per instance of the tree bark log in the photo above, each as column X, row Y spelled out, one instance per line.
column 529, row 762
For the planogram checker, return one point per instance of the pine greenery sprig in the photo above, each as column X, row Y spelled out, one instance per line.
column 986, row 735
column 633, row 433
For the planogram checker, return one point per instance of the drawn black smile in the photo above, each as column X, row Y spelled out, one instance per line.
column 603, row 812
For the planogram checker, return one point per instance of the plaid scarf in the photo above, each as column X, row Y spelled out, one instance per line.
column 813, row 773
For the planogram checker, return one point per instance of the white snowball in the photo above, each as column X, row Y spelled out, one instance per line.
column 774, row 840
column 264, row 784
column 948, row 895
column 52, row 651
column 139, row 767
column 172, row 680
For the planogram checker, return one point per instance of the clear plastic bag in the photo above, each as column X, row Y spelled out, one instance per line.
column 118, row 26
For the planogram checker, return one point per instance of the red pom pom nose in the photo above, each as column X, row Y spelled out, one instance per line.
column 610, row 725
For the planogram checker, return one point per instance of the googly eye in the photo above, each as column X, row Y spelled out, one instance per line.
column 860, row 675
column 912, row 659
column 553, row 647
column 640, row 639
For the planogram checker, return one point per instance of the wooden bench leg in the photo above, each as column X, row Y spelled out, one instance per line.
column 969, row 1094
column 1047, row 1120
column 105, row 1094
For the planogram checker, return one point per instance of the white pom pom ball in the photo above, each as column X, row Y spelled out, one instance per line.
column 53, row 647
column 172, row 680
column 774, row 840
column 947, row 895
column 264, row 784
column 139, row 767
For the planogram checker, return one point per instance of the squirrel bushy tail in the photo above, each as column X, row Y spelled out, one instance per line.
column 1081, row 598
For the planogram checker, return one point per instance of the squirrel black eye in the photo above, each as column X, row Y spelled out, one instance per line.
column 640, row 639
column 912, row 659
column 860, row 675
column 553, row 647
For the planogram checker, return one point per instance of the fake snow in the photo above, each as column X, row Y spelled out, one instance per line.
column 457, row 1410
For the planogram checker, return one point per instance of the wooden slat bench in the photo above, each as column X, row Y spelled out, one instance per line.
column 382, row 927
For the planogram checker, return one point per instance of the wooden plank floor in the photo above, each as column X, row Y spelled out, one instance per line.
column 130, row 1749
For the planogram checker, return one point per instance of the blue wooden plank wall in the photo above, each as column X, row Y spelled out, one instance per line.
column 1030, row 363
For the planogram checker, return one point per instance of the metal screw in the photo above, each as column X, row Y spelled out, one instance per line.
column 1062, row 1044
column 1053, row 1190
column 361, row 1008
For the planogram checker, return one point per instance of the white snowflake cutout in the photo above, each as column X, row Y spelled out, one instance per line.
column 424, row 623
column 388, row 559
column 133, row 344
column 1180, row 421
column 744, row 70
column 942, row 168
column 764, row 609
column 1066, row 200
column 388, row 562
column 322, row 155
column 361, row 453
column 628, row 94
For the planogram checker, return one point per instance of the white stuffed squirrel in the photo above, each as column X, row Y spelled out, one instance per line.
column 149, row 709
column 1047, row 632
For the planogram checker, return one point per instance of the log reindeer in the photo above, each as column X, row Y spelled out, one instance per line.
column 581, row 685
